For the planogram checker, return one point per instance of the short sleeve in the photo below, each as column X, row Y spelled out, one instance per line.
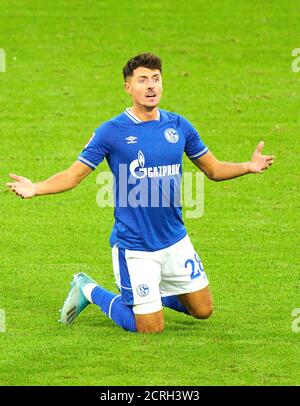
column 97, row 148
column 194, row 146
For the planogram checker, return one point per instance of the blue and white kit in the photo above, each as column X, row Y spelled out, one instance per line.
column 142, row 155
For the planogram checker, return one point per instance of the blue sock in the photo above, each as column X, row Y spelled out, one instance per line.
column 113, row 307
column 174, row 303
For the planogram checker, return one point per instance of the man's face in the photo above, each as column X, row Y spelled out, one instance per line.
column 145, row 87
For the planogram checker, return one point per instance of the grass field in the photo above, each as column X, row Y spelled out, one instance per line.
column 227, row 68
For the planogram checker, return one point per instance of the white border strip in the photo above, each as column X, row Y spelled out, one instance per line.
column 137, row 120
column 199, row 153
column 132, row 116
column 110, row 306
column 80, row 158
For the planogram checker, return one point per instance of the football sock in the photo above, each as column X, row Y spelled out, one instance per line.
column 87, row 290
column 112, row 306
column 174, row 303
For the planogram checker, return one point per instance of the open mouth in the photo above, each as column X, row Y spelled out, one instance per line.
column 151, row 95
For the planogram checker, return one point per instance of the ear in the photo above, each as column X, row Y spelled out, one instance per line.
column 127, row 87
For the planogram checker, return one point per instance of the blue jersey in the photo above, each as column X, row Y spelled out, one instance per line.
column 145, row 158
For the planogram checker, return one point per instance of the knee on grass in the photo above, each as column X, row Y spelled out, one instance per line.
column 150, row 323
column 150, row 329
column 203, row 312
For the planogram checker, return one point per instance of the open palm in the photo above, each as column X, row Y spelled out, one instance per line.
column 260, row 162
column 22, row 187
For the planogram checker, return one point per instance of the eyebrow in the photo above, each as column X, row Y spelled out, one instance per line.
column 146, row 77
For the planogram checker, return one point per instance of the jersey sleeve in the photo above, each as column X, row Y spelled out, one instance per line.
column 97, row 148
column 194, row 146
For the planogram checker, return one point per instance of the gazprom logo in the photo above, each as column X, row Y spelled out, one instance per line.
column 141, row 159
column 138, row 170
column 137, row 167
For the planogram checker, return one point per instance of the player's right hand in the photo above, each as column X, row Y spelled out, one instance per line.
column 22, row 187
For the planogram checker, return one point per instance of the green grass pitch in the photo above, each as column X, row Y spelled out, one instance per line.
column 227, row 68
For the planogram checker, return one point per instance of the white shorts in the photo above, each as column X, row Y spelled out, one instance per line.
column 144, row 277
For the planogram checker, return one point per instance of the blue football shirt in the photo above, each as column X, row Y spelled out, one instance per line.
column 145, row 158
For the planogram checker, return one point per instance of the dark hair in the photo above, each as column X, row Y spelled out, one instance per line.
column 146, row 60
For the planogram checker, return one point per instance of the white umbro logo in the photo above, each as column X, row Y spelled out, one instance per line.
column 131, row 140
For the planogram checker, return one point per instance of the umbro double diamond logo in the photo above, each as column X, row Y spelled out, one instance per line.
column 131, row 139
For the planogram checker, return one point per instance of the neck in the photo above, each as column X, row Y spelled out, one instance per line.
column 143, row 113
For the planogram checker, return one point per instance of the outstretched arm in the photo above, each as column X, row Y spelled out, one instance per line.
column 217, row 170
column 60, row 182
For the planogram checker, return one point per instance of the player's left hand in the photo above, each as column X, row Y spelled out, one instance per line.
column 259, row 162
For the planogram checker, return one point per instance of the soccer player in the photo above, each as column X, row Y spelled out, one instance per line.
column 154, row 261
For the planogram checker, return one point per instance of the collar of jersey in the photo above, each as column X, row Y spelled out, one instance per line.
column 136, row 120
